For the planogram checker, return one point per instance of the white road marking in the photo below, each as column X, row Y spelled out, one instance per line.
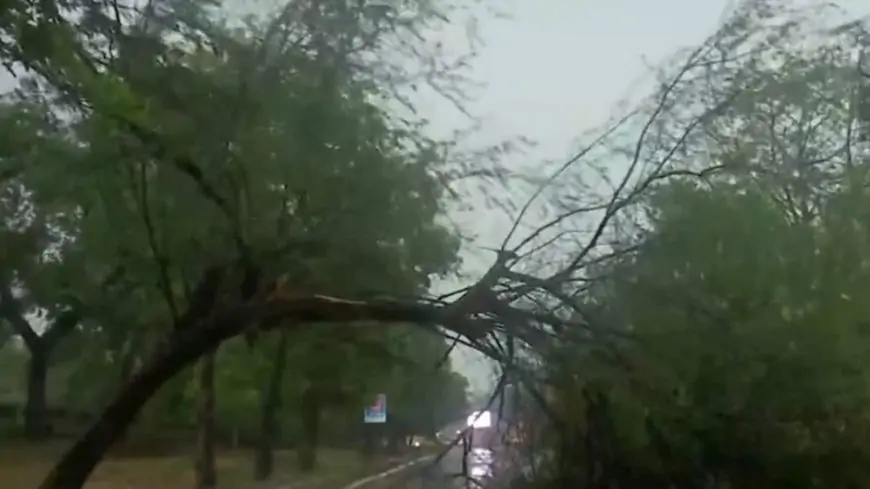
column 365, row 480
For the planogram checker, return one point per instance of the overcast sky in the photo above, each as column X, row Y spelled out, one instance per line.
column 553, row 69
column 556, row 68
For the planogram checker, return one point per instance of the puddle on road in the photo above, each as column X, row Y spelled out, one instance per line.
column 480, row 463
column 479, row 466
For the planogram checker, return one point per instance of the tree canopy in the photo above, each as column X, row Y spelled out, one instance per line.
column 161, row 161
column 227, row 231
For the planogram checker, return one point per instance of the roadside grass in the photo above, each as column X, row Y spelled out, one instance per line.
column 24, row 466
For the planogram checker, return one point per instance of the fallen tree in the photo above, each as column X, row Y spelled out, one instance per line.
column 533, row 296
column 203, row 335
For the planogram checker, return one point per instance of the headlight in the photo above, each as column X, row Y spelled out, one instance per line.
column 479, row 419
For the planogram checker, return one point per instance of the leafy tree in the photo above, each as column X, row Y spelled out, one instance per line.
column 33, row 233
column 704, row 328
column 725, row 345
column 181, row 200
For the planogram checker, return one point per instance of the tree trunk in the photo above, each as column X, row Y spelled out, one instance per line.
column 394, row 436
column 206, row 474
column 36, row 424
column 73, row 469
column 369, row 446
column 269, row 424
column 6, row 334
column 311, row 406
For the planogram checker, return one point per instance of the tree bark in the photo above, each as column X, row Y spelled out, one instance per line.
column 6, row 333
column 269, row 424
column 206, row 473
column 311, row 407
column 369, row 446
column 36, row 423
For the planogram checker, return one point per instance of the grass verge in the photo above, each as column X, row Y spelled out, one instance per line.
column 23, row 467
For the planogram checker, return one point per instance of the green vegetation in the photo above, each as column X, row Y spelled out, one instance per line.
column 218, row 237
column 731, row 327
column 159, row 163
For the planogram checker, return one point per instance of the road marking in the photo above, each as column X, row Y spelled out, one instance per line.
column 365, row 480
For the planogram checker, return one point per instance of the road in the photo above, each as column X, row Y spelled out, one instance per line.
column 447, row 473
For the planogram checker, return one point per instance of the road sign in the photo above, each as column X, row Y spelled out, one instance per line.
column 377, row 412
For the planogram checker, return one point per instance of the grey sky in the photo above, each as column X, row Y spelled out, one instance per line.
column 553, row 70
column 556, row 68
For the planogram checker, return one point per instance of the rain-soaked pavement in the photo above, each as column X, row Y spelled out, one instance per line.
column 448, row 472
column 473, row 466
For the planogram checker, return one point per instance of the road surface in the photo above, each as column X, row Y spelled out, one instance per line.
column 449, row 472
column 445, row 473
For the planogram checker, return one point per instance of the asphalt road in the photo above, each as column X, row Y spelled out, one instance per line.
column 446, row 473
column 449, row 472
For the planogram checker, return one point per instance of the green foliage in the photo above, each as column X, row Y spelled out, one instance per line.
column 748, row 353
column 123, row 178
column 740, row 351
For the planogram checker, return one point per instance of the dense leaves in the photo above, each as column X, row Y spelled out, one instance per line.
column 740, row 342
column 172, row 180
column 147, row 150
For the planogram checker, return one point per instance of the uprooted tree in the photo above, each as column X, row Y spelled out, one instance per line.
column 665, row 295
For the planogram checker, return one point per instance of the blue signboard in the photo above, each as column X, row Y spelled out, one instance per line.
column 377, row 412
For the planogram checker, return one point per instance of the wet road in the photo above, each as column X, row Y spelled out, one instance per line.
column 450, row 473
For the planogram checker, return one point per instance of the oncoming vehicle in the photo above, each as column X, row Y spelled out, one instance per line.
column 479, row 419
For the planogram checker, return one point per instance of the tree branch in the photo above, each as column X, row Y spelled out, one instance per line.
column 161, row 260
column 11, row 310
column 200, row 337
column 60, row 327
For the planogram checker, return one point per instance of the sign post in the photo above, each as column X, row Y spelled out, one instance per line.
column 377, row 412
